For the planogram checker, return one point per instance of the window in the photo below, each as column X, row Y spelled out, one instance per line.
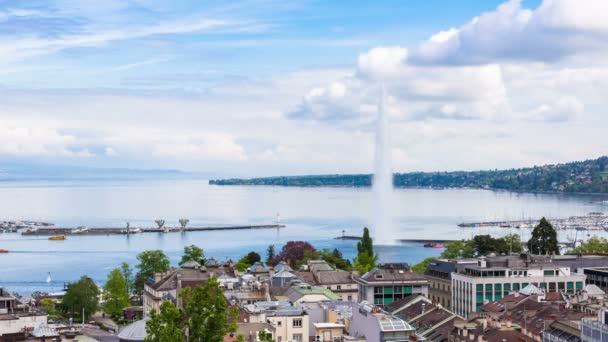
column 297, row 323
column 350, row 298
column 338, row 287
column 549, row 273
column 279, row 323
column 297, row 337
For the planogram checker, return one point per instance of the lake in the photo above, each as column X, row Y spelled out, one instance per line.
column 317, row 215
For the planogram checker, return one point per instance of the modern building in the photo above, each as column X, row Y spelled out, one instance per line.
column 493, row 278
column 377, row 325
column 597, row 276
column 595, row 329
column 390, row 282
column 439, row 274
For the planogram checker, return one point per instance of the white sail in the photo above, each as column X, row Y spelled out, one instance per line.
column 48, row 278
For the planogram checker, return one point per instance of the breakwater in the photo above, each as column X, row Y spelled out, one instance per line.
column 115, row 230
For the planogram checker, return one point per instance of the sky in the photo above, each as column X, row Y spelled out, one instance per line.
column 265, row 87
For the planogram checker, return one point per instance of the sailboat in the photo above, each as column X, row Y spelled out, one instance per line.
column 48, row 278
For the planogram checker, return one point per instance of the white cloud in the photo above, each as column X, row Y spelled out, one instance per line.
column 556, row 29
column 565, row 109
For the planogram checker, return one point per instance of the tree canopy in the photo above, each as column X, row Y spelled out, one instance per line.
column 80, row 295
column 544, row 239
column 207, row 314
column 150, row 263
column 116, row 294
column 593, row 245
column 293, row 252
column 270, row 255
column 127, row 272
column 366, row 258
column 166, row 325
column 245, row 262
column 194, row 253
column 420, row 267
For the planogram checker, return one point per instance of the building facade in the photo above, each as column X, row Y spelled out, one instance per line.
column 493, row 278
column 388, row 283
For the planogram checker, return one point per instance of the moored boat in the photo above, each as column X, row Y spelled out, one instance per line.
column 57, row 238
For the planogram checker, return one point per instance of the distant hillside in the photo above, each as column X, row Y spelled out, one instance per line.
column 588, row 176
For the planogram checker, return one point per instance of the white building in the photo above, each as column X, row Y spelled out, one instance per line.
column 493, row 278
column 17, row 318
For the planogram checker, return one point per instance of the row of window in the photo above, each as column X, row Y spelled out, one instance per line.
column 385, row 295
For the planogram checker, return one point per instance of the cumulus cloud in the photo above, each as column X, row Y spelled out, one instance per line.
column 556, row 29
column 565, row 109
column 416, row 92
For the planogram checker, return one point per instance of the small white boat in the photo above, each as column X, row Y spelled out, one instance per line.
column 48, row 278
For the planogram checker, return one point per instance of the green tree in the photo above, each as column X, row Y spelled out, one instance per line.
column 544, row 239
column 150, row 263
column 366, row 258
column 270, row 255
column 208, row 316
column 193, row 252
column 265, row 337
column 49, row 305
column 247, row 261
column 81, row 296
column 165, row 326
column 510, row 244
column 458, row 249
column 116, row 294
column 127, row 272
column 593, row 245
column 420, row 267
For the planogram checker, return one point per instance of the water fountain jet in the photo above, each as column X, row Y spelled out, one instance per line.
column 383, row 228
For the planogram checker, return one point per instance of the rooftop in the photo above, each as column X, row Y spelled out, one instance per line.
column 391, row 273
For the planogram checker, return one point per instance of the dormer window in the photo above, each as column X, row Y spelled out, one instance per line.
column 379, row 276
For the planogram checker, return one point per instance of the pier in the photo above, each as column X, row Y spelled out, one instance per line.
column 116, row 231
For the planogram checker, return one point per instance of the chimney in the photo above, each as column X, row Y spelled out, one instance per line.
column 158, row 276
column 484, row 324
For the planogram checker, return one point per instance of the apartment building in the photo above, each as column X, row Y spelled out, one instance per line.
column 493, row 278
column 390, row 282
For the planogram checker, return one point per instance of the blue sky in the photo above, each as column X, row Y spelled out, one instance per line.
column 275, row 87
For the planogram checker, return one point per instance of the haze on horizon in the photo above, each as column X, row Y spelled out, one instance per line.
column 274, row 88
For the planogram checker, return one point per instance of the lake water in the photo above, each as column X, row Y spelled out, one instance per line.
column 316, row 215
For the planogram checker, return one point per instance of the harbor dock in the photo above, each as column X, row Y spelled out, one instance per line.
column 115, row 231
column 591, row 221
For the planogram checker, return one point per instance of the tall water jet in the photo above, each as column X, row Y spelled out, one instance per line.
column 383, row 229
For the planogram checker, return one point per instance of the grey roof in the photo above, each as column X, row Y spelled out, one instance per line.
column 440, row 269
column 282, row 266
column 212, row 263
column 334, row 277
column 530, row 290
column 391, row 275
column 284, row 274
column 44, row 330
column 135, row 331
column 575, row 262
column 319, row 265
column 593, row 290
column 257, row 267
column 191, row 264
